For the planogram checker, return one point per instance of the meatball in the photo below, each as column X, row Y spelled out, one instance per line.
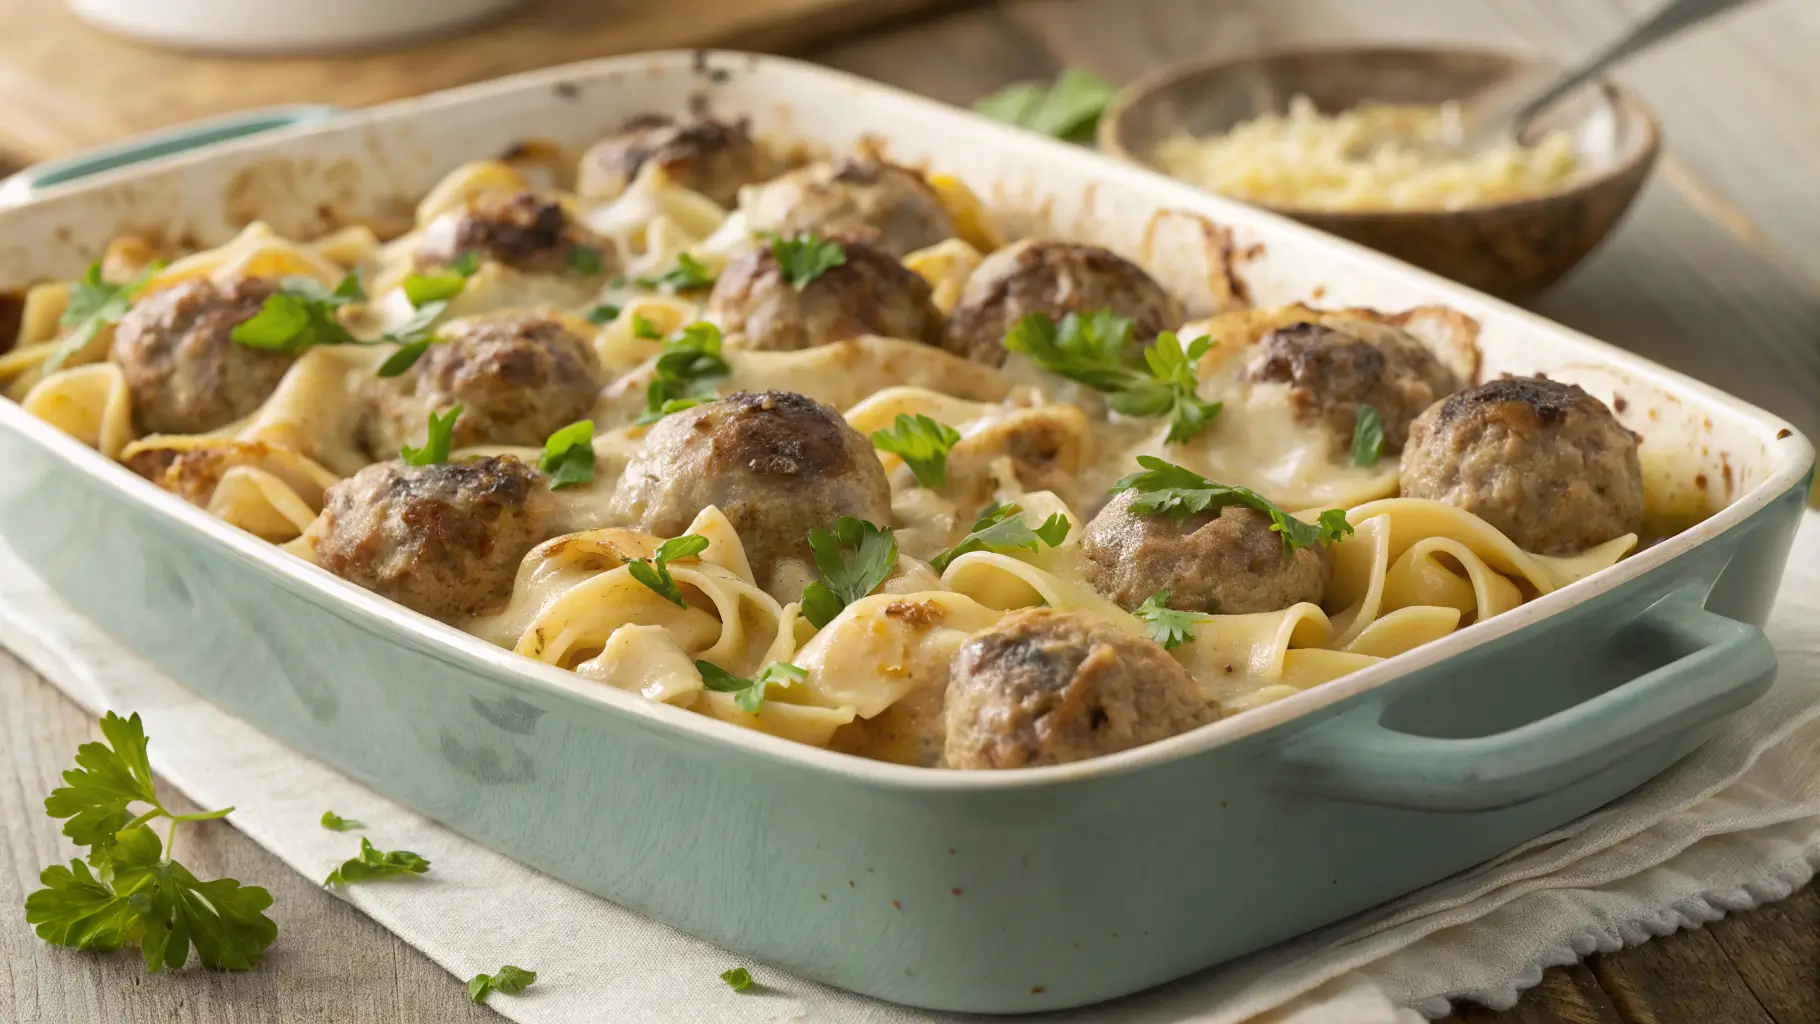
column 1544, row 462
column 1054, row 278
column 1048, row 687
column 1225, row 562
column 518, row 376
column 891, row 206
column 185, row 374
column 774, row 463
column 522, row 230
column 871, row 293
column 712, row 157
column 1333, row 371
column 443, row 539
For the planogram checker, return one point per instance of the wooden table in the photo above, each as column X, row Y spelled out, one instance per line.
column 1716, row 273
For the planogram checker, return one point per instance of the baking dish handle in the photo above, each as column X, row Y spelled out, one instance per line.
column 25, row 185
column 1720, row 665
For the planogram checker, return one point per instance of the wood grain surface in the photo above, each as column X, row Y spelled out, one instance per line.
column 1717, row 273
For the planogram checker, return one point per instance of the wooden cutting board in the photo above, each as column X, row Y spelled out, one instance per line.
column 65, row 86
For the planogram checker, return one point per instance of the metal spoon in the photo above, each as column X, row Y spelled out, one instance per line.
column 1505, row 112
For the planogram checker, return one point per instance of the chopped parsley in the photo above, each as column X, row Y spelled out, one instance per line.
column 1167, row 489
column 923, row 443
column 738, row 979
column 1068, row 108
column 421, row 289
column 336, row 823
column 128, row 889
column 655, row 571
column 642, row 327
column 437, row 442
column 1168, row 627
column 568, row 455
column 805, row 257
column 689, row 274
column 1367, row 437
column 854, row 559
column 604, row 313
column 1001, row 528
column 94, row 304
column 749, row 694
column 585, row 261
column 508, row 980
column 374, row 863
column 686, row 373
column 300, row 315
column 1097, row 351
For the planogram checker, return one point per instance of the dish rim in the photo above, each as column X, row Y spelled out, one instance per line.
column 1792, row 452
column 1152, row 82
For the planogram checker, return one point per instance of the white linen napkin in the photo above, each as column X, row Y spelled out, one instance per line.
column 1734, row 825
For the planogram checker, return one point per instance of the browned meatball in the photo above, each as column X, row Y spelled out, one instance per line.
column 1227, row 562
column 712, row 157
column 1048, row 687
column 185, row 373
column 871, row 293
column 1332, row 372
column 443, row 539
column 523, row 230
column 1544, row 462
column 853, row 196
column 774, row 463
column 1054, row 278
column 518, row 376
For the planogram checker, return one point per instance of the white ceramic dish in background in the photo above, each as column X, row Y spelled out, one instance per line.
column 283, row 26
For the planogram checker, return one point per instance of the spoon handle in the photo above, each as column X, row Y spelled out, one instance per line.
column 1670, row 20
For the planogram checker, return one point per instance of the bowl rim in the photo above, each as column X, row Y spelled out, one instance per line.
column 1151, row 83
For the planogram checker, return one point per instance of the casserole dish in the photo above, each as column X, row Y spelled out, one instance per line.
column 997, row 892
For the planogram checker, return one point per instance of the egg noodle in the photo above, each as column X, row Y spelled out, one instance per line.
column 872, row 676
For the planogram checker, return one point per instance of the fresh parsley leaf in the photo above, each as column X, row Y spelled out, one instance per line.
column 642, row 327
column 465, row 263
column 805, row 257
column 738, row 979
column 585, row 261
column 300, row 315
column 922, row 442
column 437, row 443
column 336, row 823
column 1168, row 627
column 509, row 980
column 1170, row 389
column 854, row 559
column 403, row 359
column 1168, row 489
column 749, row 694
column 1001, row 528
column 223, row 919
column 655, row 571
column 689, row 274
column 350, row 288
column 1097, row 351
column 415, row 335
column 108, row 776
column 374, row 863
column 94, row 304
column 686, row 373
column 604, row 313
column 424, row 288
column 1367, row 437
column 1068, row 108
column 568, row 455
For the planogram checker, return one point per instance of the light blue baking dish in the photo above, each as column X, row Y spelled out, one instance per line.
column 997, row 892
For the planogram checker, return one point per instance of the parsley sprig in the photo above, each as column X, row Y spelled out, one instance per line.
column 509, row 980
column 373, row 864
column 135, row 892
column 429, row 296
column 923, row 443
column 654, row 572
column 1001, row 528
column 854, row 559
column 686, row 373
column 437, row 442
column 1068, row 108
column 1168, row 627
column 1367, row 437
column 1097, row 350
column 568, row 455
column 749, row 694
column 94, row 304
column 1167, row 489
column 805, row 257
column 689, row 275
column 300, row 315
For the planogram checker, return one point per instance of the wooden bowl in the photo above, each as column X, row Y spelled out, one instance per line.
column 1513, row 249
